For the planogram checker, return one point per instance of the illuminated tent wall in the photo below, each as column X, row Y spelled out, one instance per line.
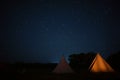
column 100, row 65
column 63, row 67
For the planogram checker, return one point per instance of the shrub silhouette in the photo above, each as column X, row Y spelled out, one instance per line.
column 81, row 61
column 114, row 60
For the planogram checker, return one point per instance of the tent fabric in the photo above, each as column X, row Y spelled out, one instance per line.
column 100, row 65
column 63, row 67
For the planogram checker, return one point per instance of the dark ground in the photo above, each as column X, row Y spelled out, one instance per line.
column 48, row 76
column 44, row 72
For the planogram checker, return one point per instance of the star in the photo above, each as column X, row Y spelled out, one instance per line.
column 47, row 29
column 71, row 32
column 63, row 25
column 79, row 20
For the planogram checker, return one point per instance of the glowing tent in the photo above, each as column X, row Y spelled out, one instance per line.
column 100, row 65
column 63, row 67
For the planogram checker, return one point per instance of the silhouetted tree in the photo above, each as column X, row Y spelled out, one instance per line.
column 81, row 61
column 114, row 60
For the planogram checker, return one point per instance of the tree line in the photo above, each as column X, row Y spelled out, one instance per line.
column 82, row 61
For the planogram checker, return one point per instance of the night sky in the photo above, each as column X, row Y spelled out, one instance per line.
column 44, row 30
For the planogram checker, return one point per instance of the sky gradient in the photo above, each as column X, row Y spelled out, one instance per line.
column 44, row 30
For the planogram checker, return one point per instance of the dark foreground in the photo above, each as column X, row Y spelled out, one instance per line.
column 44, row 72
column 51, row 76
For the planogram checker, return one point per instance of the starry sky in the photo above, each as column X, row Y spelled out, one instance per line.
column 43, row 30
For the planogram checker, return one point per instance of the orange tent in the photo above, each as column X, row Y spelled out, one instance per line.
column 100, row 65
